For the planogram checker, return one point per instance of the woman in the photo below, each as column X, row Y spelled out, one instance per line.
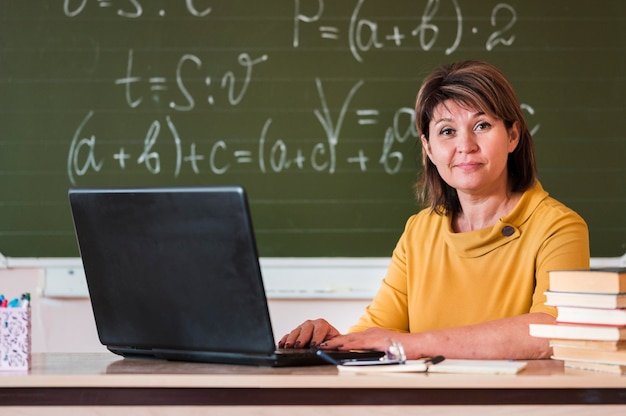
column 469, row 272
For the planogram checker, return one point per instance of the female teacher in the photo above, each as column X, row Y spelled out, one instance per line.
column 469, row 272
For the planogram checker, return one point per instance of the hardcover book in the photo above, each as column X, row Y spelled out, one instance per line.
column 587, row 354
column 581, row 332
column 589, row 300
column 594, row 280
column 590, row 344
column 593, row 316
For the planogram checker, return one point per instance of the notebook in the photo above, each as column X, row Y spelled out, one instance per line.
column 173, row 273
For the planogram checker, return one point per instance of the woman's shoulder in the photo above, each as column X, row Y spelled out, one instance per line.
column 557, row 208
column 426, row 217
column 540, row 203
column 550, row 212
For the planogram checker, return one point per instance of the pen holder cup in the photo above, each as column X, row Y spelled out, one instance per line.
column 15, row 339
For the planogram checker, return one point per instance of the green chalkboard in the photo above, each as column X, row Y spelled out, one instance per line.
column 306, row 103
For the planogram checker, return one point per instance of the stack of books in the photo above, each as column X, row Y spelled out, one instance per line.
column 590, row 328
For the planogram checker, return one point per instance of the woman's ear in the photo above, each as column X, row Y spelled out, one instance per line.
column 513, row 136
column 425, row 147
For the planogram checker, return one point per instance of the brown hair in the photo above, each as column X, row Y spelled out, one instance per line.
column 481, row 86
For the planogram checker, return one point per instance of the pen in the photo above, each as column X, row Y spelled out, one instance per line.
column 25, row 303
column 435, row 360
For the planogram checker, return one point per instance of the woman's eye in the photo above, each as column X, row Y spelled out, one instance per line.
column 483, row 125
column 446, row 131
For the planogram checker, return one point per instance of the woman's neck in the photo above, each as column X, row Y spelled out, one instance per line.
column 482, row 212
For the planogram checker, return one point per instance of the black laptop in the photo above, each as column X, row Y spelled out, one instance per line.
column 173, row 273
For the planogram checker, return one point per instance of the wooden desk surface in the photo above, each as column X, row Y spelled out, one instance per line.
column 81, row 379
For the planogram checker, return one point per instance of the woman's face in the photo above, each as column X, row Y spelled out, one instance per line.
column 469, row 148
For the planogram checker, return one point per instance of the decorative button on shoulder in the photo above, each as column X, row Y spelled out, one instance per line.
column 508, row 231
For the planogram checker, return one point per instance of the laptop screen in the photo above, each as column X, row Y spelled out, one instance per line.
column 172, row 268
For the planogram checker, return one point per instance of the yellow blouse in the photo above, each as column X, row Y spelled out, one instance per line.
column 440, row 279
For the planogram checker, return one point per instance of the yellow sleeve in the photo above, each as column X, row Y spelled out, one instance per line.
column 567, row 247
column 389, row 307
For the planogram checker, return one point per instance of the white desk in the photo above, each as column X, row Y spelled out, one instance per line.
column 105, row 384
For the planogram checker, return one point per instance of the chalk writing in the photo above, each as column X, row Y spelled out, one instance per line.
column 75, row 165
column 219, row 158
column 367, row 34
column 130, row 9
column 192, row 83
column 159, row 84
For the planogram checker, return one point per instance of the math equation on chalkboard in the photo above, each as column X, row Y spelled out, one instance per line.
column 204, row 88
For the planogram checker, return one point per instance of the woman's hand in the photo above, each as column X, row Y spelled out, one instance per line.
column 319, row 333
column 371, row 339
column 310, row 333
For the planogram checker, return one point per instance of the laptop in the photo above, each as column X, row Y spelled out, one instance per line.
column 173, row 273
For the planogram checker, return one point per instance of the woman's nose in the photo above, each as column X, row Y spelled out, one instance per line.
column 466, row 143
